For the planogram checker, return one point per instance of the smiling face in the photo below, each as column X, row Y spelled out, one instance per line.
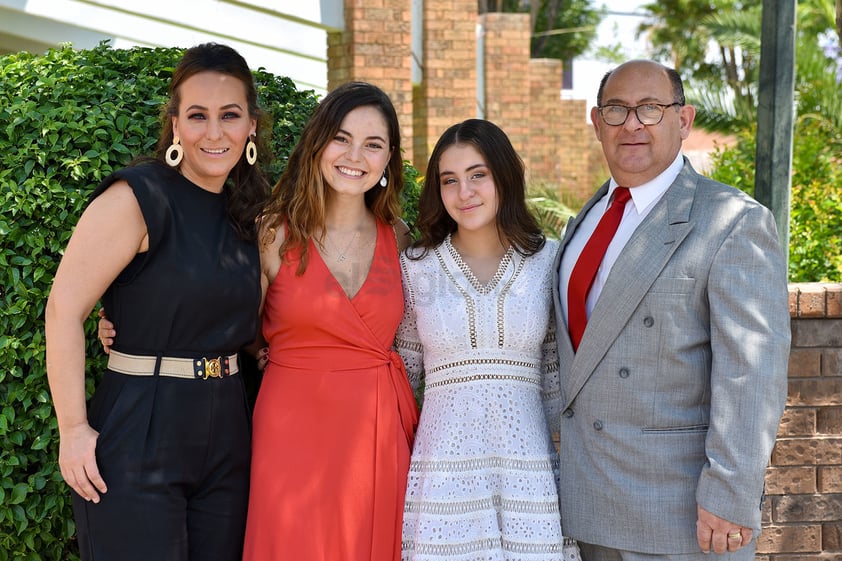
column 213, row 125
column 638, row 153
column 467, row 189
column 354, row 160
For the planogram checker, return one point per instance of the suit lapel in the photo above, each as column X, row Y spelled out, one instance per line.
column 641, row 262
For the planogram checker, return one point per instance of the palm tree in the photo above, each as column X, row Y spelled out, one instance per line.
column 724, row 92
column 551, row 213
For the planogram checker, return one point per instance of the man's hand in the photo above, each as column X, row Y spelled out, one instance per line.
column 718, row 534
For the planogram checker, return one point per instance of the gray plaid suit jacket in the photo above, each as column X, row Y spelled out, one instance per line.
column 675, row 394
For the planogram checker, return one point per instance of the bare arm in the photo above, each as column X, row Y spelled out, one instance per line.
column 269, row 240
column 109, row 234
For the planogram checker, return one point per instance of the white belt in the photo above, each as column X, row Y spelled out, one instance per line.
column 190, row 368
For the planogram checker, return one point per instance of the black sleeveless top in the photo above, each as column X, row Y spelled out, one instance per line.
column 196, row 291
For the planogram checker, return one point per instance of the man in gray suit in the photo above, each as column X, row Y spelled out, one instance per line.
column 671, row 398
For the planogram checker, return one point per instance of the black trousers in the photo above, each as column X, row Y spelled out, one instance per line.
column 174, row 455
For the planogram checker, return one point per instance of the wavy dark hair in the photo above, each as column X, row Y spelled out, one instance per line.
column 246, row 189
column 298, row 200
column 515, row 224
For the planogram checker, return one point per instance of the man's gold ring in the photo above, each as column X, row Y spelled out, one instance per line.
column 735, row 536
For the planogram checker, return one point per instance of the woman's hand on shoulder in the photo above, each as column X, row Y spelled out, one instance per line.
column 402, row 234
column 270, row 236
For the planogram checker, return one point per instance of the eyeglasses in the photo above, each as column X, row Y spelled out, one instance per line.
column 646, row 113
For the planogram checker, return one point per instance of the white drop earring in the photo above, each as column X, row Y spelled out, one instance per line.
column 174, row 153
column 251, row 152
column 383, row 180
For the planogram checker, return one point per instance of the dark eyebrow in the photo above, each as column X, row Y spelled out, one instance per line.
column 469, row 168
column 375, row 137
column 224, row 107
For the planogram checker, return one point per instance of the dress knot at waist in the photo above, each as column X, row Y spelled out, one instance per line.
column 351, row 359
column 407, row 406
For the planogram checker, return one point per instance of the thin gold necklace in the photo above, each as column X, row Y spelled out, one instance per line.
column 341, row 257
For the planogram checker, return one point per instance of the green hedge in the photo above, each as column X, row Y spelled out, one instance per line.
column 815, row 225
column 67, row 119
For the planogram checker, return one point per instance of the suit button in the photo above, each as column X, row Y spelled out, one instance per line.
column 623, row 373
column 648, row 321
column 597, row 425
column 568, row 413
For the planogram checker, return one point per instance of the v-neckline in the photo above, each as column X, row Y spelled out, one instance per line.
column 469, row 274
column 338, row 284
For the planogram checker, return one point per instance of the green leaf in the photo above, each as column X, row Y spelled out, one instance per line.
column 19, row 492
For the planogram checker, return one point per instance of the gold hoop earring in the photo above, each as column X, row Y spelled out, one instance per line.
column 174, row 153
column 251, row 152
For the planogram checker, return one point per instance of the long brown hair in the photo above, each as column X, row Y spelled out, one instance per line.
column 246, row 189
column 299, row 197
column 515, row 224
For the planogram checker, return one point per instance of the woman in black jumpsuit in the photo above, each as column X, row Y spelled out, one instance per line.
column 159, row 463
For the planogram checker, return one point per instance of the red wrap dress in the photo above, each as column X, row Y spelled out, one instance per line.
column 334, row 418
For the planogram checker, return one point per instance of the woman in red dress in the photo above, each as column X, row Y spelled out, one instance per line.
column 335, row 415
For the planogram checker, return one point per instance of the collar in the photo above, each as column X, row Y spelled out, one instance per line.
column 648, row 193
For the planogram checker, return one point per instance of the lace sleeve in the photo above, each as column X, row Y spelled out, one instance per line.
column 551, row 390
column 407, row 341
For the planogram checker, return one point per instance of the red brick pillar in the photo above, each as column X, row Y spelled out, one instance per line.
column 447, row 93
column 375, row 47
column 545, row 122
column 507, row 84
column 579, row 154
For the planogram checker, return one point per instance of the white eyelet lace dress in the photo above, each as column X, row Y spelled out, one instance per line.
column 484, row 470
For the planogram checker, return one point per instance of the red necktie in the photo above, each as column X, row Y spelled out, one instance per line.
column 584, row 272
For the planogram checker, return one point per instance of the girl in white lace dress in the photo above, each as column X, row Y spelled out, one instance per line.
column 478, row 329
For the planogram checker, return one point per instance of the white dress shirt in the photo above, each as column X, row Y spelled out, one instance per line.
column 643, row 198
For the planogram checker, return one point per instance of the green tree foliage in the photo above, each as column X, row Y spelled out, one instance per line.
column 551, row 213
column 717, row 56
column 67, row 119
column 815, row 235
column 562, row 29
column 725, row 98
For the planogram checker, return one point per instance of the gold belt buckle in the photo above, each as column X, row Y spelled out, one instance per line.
column 213, row 367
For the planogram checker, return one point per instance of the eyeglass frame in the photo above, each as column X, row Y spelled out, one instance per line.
column 663, row 107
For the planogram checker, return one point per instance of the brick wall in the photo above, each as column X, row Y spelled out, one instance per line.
column 521, row 95
column 507, row 82
column 802, row 516
column 447, row 93
column 583, row 166
column 375, row 47
column 543, row 149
